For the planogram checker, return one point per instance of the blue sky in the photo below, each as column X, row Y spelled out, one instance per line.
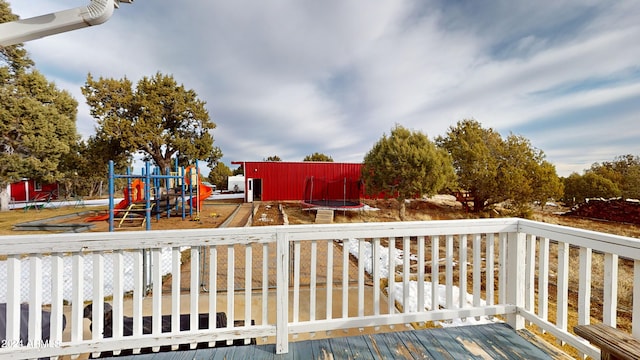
column 291, row 78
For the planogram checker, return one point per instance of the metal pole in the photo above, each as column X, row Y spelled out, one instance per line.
column 183, row 184
column 344, row 192
column 311, row 193
column 191, row 192
column 157, row 184
column 197, row 183
column 111, row 191
column 147, row 195
column 167, row 184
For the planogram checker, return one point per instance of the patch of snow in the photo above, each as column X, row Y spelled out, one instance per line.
column 443, row 197
column 367, row 256
column 412, row 302
column 369, row 208
column 412, row 299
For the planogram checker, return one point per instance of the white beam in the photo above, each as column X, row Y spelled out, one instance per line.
column 96, row 13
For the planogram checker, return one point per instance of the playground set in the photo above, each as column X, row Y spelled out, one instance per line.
column 174, row 193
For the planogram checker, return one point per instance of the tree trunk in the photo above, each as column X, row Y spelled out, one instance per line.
column 403, row 210
column 5, row 198
column 478, row 204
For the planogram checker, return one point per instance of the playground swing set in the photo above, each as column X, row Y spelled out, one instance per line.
column 153, row 193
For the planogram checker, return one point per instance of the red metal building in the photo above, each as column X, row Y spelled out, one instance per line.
column 31, row 190
column 307, row 181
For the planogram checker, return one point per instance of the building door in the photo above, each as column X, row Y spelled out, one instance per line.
column 257, row 189
column 249, row 190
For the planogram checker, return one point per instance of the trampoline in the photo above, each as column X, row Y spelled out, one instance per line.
column 336, row 194
column 333, row 204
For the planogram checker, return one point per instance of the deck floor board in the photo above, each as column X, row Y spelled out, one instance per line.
column 432, row 345
column 511, row 340
column 340, row 347
column 414, row 346
column 490, row 347
column 429, row 342
column 320, row 348
column 450, row 343
column 493, row 341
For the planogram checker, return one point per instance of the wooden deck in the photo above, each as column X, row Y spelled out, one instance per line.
column 494, row 341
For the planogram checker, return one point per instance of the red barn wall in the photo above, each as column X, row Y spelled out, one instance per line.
column 19, row 191
column 282, row 181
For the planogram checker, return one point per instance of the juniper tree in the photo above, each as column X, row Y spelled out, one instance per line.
column 273, row 158
column 578, row 187
column 493, row 169
column 318, row 157
column 624, row 171
column 37, row 120
column 406, row 164
column 158, row 118
column 219, row 175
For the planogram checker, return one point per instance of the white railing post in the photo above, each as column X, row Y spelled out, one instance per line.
column 449, row 272
column 635, row 329
column 543, row 280
column 490, row 273
column 477, row 264
column 562, row 278
column 12, row 331
column 35, row 297
column 57, row 291
column 516, row 246
column 77, row 298
column 530, row 273
column 282, row 293
column 502, row 268
column 462, row 286
column 584, row 287
column 610, row 303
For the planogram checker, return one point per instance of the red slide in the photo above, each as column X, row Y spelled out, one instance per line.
column 203, row 190
column 137, row 185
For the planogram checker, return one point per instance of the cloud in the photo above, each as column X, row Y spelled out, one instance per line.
column 290, row 78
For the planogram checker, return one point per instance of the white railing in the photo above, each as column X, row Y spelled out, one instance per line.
column 279, row 281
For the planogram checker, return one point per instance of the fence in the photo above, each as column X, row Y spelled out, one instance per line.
column 370, row 275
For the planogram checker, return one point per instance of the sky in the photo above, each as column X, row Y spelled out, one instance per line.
column 291, row 78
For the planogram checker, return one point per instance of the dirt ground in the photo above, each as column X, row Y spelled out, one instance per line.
column 215, row 213
column 212, row 215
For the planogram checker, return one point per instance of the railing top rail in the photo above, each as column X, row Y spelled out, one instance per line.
column 623, row 246
column 48, row 243
column 127, row 240
column 401, row 228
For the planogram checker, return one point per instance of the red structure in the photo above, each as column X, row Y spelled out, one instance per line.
column 307, row 181
column 30, row 190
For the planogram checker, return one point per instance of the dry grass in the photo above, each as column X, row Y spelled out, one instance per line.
column 213, row 214
column 10, row 218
